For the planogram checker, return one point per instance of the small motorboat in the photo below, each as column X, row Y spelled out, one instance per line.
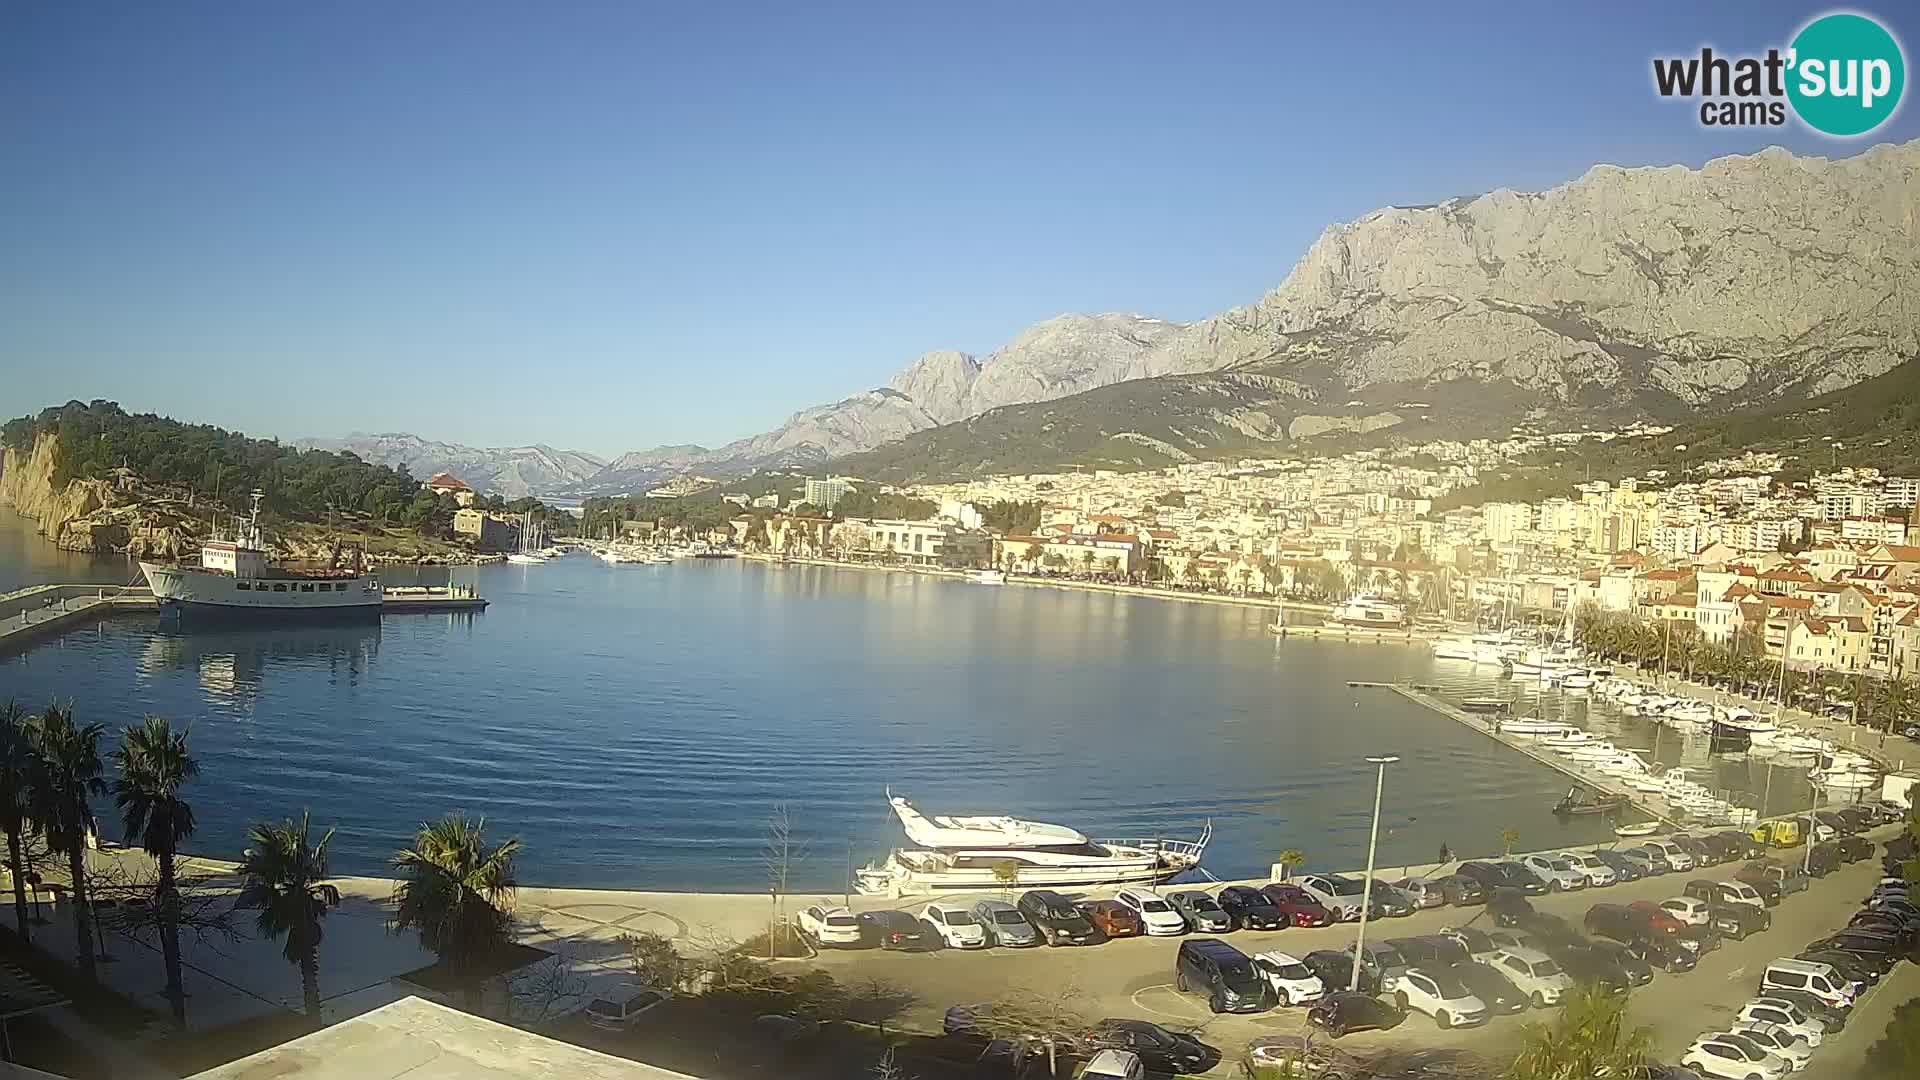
column 1643, row 828
column 1576, row 801
column 1485, row 705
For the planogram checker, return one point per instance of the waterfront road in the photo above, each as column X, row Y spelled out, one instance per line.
column 1134, row 977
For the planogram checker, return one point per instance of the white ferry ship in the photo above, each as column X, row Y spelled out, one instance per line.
column 972, row 853
column 234, row 576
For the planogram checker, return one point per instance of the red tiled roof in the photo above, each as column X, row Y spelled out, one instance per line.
column 446, row 480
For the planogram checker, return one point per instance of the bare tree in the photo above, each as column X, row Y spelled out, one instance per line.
column 885, row 1069
column 129, row 895
column 1043, row 1019
column 545, row 991
column 781, row 856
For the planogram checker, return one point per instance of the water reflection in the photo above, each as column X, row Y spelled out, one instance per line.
column 231, row 662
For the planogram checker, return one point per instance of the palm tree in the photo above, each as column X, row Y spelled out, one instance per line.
column 283, row 878
column 16, row 775
column 1589, row 1037
column 154, row 765
column 66, row 774
column 454, row 890
column 1291, row 859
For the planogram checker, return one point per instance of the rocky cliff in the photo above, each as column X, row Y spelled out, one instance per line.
column 90, row 515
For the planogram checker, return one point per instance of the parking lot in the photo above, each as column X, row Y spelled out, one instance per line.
column 1133, row 977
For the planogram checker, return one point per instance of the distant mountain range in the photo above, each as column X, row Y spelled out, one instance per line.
column 1646, row 292
column 511, row 471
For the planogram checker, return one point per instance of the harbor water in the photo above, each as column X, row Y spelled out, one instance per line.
column 637, row 724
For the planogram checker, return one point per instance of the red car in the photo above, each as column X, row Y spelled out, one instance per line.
column 1298, row 905
column 1657, row 917
column 1113, row 918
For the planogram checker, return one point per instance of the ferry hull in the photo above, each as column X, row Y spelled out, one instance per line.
column 894, row 880
column 179, row 589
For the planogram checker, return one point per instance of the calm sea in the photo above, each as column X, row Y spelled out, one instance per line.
column 636, row 725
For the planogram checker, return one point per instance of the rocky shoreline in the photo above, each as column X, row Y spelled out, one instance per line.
column 123, row 516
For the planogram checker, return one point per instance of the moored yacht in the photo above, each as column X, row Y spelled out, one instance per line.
column 1368, row 610
column 993, row 852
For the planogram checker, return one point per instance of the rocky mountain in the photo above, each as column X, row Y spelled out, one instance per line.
column 1062, row 356
column 1627, row 292
column 511, row 471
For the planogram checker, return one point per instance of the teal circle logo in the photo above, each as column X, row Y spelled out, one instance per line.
column 1847, row 74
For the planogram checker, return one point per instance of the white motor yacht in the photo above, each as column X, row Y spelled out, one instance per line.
column 1368, row 610
column 1007, row 853
column 1453, row 648
column 1535, row 726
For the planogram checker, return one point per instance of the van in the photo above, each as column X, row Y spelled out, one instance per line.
column 1810, row 976
column 1223, row 973
column 1782, row 833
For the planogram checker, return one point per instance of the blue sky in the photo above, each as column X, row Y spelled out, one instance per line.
column 608, row 226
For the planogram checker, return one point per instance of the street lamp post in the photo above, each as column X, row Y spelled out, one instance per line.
column 1366, row 891
column 1813, row 800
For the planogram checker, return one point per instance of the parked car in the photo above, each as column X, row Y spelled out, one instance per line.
column 1782, row 1014
column 1437, row 994
column 955, row 925
column 1202, row 912
column 1686, row 910
column 1154, row 913
column 1335, row 971
column 1114, row 1065
column 1834, row 1017
column 1735, row 1059
column 1594, row 965
column 1210, row 966
column 1623, row 868
column 1343, row 1012
column 1671, row 953
column 1809, row 976
column 1851, row 968
column 1160, row 1050
column 624, row 1005
column 1616, row 921
column 1722, row 846
column 1112, row 918
column 1673, row 855
column 1534, row 974
column 1789, row 879
column 1339, row 894
column 1502, row 998
column 1776, row 1040
column 1057, row 920
column 1824, row 859
column 1461, row 891
column 1296, row 906
column 1726, row 892
column 1293, row 982
column 1512, row 939
column 1250, row 909
column 1382, row 961
column 1854, row 849
column 825, row 925
column 1509, row 908
column 1515, row 876
column 1425, row 892
column 1835, row 821
column 1648, row 863
column 1878, row 951
column 1743, row 845
column 1703, row 855
column 1738, row 921
column 1719, row 1054
column 1431, row 951
column 1556, row 873
column 1391, row 903
column 893, row 929
column 1596, row 871
column 1301, row 1057
column 1479, row 944
column 1005, row 925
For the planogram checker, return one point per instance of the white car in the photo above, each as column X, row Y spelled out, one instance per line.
column 1534, row 974
column 1558, row 874
column 1292, row 981
column 1597, row 872
column 1711, row 1055
column 1739, row 892
column 1155, row 913
column 956, row 925
column 1666, row 852
column 1439, row 995
column 625, row 1004
column 1785, row 1014
column 1777, row 1040
column 830, row 925
column 1688, row 910
column 1339, row 895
